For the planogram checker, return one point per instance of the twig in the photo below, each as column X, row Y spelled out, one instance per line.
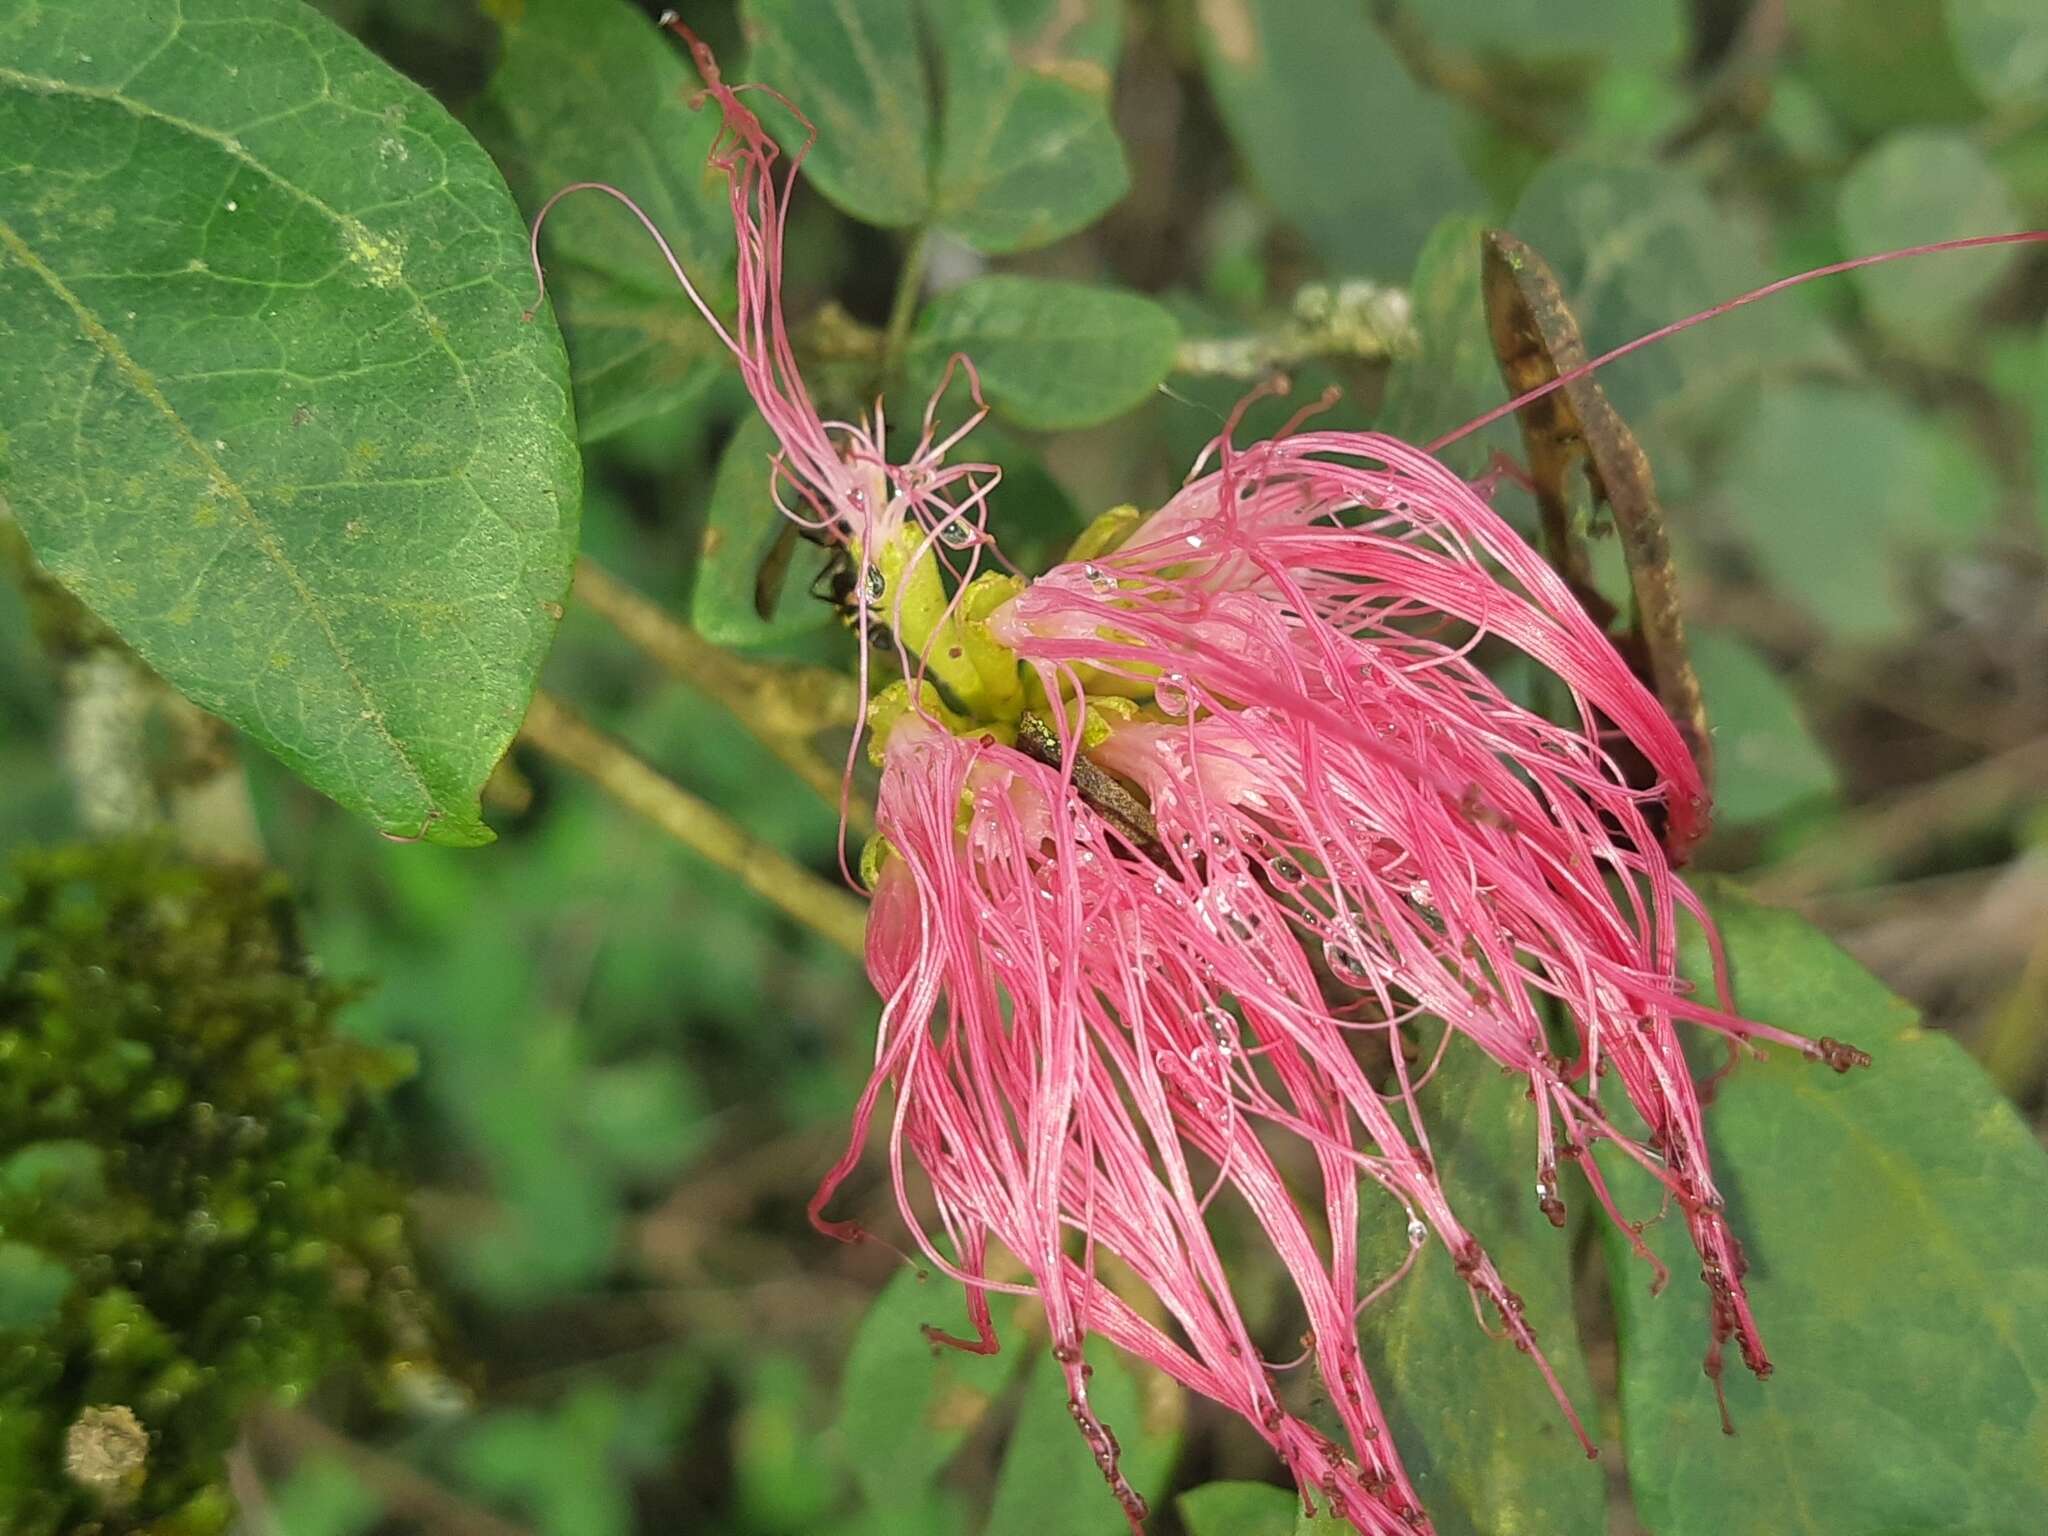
column 781, row 706
column 103, row 733
column 903, row 310
column 1358, row 319
column 256, row 1515
column 193, row 779
column 555, row 729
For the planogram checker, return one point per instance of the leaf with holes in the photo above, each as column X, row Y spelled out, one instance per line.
column 1051, row 355
column 1896, row 1225
column 589, row 90
column 271, row 407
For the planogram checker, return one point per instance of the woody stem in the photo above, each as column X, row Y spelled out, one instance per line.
column 556, row 730
column 909, row 288
column 782, row 706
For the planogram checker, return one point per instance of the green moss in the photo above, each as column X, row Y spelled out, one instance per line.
column 191, row 1214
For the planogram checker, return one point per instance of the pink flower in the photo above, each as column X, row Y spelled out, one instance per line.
column 1174, row 842
column 1100, row 1008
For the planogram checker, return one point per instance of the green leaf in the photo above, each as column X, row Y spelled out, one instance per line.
column 1896, row 1224
column 1345, row 146
column 1023, row 151
column 1452, row 375
column 1238, row 1509
column 1882, row 63
column 1636, row 245
column 2003, row 45
column 590, row 90
column 1051, row 355
column 68, row 1171
column 32, row 1287
column 1842, row 494
column 1027, row 152
column 272, row 408
column 852, row 68
column 1626, row 31
column 906, row 1406
column 1915, row 187
column 1049, row 1481
column 1766, row 761
column 1476, row 1425
column 740, row 530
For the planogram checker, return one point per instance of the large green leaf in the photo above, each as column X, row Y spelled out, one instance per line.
column 1050, row 354
column 1027, row 152
column 2003, row 46
column 271, row 408
column 1049, row 1481
column 1486, row 1444
column 905, row 1406
column 852, row 67
column 590, row 90
column 1843, row 495
column 1346, row 146
column 1917, row 186
column 1896, row 1224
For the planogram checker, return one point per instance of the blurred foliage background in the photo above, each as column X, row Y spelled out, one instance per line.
column 630, row 1072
